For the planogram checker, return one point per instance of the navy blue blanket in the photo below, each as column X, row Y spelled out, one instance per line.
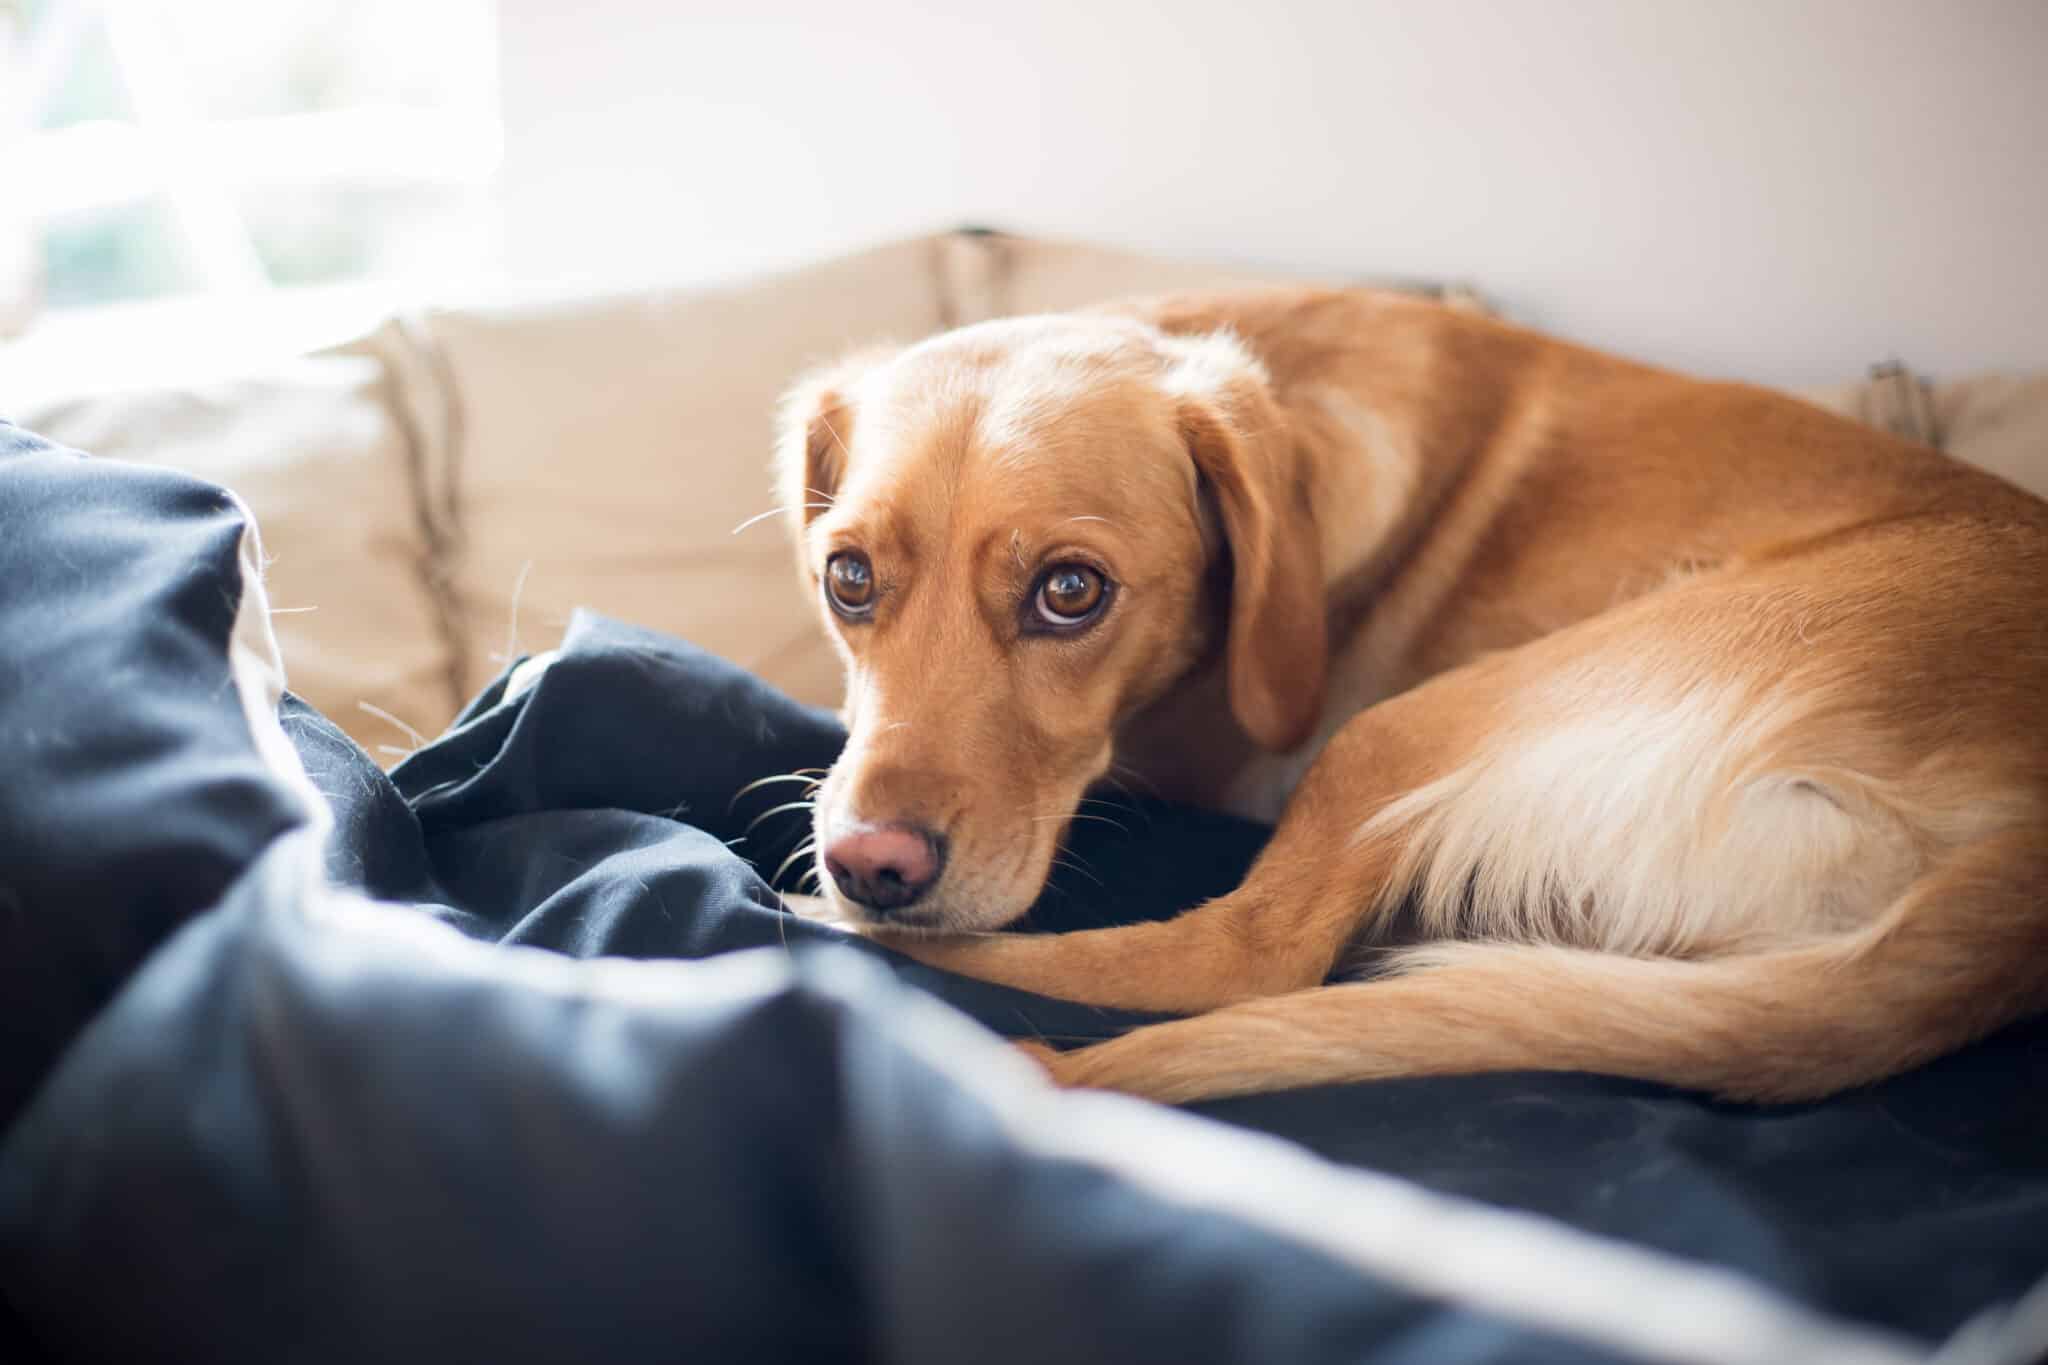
column 258, row 1105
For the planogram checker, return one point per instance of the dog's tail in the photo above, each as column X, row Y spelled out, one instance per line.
column 1961, row 952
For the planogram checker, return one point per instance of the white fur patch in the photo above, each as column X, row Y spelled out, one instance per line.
column 1642, row 824
column 1375, row 483
column 1209, row 362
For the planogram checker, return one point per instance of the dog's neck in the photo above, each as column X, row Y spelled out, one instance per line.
column 1373, row 485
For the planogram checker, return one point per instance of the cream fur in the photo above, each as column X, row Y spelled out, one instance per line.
column 1640, row 821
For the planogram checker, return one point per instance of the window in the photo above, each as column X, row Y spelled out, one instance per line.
column 245, row 158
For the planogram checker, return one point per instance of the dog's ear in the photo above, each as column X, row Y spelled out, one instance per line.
column 1239, row 440
column 812, row 436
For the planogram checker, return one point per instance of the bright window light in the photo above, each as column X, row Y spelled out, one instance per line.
column 241, row 174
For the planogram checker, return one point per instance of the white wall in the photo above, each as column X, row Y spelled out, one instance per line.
column 1779, row 189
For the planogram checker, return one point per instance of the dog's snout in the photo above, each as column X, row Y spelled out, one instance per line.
column 885, row 867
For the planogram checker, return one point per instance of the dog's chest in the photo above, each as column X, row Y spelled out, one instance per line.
column 1260, row 790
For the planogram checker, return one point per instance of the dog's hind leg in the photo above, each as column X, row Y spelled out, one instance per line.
column 1955, row 957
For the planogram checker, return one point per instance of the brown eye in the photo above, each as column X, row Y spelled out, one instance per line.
column 1069, row 595
column 850, row 584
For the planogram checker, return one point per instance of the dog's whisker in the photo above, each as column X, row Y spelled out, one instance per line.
column 1060, row 806
column 761, row 782
column 1132, row 806
column 1059, row 812
column 1122, row 807
column 759, row 517
column 1075, row 866
column 778, row 810
column 1117, row 825
column 802, row 850
column 1083, row 872
column 1080, row 815
column 1119, row 771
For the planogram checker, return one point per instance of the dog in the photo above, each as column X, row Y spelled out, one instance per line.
column 1630, row 723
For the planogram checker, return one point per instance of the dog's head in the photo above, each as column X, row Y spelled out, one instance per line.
column 1019, row 534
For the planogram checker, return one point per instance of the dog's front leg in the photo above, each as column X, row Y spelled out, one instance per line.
column 1283, row 930
column 1227, row 950
column 1186, row 965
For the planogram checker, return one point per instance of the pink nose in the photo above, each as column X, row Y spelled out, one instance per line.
column 885, row 867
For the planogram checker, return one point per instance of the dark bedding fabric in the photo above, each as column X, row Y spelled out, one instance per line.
column 249, row 1115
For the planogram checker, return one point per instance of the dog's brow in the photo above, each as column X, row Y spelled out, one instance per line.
column 1023, row 548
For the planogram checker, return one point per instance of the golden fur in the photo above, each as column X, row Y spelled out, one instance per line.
column 1641, row 725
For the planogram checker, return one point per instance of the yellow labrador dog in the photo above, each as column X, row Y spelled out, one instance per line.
column 1645, row 726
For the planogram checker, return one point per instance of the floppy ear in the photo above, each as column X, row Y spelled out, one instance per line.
column 815, row 426
column 1239, row 440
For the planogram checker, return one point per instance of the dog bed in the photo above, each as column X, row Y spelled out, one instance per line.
column 307, row 1061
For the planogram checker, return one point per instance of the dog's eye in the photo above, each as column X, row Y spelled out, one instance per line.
column 850, row 584
column 1069, row 595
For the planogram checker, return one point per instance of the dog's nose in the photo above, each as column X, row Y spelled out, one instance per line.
column 885, row 867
